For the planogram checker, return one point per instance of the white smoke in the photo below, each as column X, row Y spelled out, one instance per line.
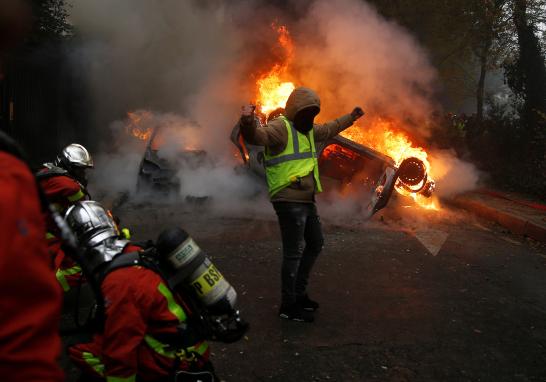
column 452, row 174
column 353, row 56
column 143, row 54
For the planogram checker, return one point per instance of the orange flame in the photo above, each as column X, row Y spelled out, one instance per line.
column 383, row 137
column 133, row 126
column 273, row 90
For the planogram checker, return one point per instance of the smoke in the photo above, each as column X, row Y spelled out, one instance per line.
column 114, row 173
column 223, row 188
column 353, row 56
column 168, row 56
column 452, row 174
column 194, row 63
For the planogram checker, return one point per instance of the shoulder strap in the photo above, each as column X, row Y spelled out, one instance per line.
column 124, row 260
column 51, row 171
column 121, row 260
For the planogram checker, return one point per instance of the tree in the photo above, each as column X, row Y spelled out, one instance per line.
column 50, row 21
column 490, row 40
column 526, row 75
column 444, row 28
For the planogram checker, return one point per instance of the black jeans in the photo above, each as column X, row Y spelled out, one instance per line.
column 302, row 242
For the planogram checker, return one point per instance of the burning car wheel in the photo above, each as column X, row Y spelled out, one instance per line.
column 412, row 172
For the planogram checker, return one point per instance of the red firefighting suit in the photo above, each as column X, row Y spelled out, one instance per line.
column 31, row 300
column 139, row 309
column 63, row 191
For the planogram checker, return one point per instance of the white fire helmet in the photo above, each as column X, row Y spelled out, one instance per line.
column 91, row 223
column 74, row 155
column 96, row 231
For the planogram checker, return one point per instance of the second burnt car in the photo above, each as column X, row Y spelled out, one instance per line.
column 158, row 172
column 348, row 166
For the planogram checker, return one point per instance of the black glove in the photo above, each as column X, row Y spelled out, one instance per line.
column 357, row 113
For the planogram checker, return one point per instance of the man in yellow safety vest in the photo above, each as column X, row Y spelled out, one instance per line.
column 292, row 172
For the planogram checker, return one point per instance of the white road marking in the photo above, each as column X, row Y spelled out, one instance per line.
column 432, row 239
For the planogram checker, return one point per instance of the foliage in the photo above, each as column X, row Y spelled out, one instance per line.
column 526, row 76
column 50, row 21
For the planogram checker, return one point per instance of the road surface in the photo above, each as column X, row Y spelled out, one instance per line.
column 410, row 295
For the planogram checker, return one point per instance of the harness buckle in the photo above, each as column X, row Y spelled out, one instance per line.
column 183, row 355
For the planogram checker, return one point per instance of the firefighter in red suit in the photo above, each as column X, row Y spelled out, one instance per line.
column 31, row 300
column 148, row 330
column 64, row 182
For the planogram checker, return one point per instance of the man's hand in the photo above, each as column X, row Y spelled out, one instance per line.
column 247, row 113
column 357, row 113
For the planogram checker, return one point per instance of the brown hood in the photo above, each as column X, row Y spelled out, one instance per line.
column 300, row 99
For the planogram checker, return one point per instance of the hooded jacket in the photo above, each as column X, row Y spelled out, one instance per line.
column 275, row 137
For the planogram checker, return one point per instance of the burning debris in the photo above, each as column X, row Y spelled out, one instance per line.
column 414, row 180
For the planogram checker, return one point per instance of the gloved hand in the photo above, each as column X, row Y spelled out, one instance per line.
column 247, row 113
column 357, row 113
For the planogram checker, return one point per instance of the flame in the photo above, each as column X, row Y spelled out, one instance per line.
column 383, row 137
column 134, row 122
column 273, row 89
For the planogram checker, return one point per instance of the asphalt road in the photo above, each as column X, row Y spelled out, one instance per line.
column 408, row 296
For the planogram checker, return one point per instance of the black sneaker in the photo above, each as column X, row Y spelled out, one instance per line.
column 295, row 312
column 308, row 304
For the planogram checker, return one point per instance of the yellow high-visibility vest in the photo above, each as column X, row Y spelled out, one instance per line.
column 298, row 159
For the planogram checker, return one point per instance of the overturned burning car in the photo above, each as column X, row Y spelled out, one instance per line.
column 348, row 166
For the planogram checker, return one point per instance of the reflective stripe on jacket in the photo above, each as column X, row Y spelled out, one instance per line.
column 61, row 275
column 166, row 350
column 68, row 272
column 298, row 159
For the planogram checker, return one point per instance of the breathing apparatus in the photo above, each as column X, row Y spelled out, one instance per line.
column 189, row 270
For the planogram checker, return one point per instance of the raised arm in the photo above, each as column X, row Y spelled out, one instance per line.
column 333, row 128
column 256, row 134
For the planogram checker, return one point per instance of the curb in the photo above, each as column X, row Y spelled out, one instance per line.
column 516, row 224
